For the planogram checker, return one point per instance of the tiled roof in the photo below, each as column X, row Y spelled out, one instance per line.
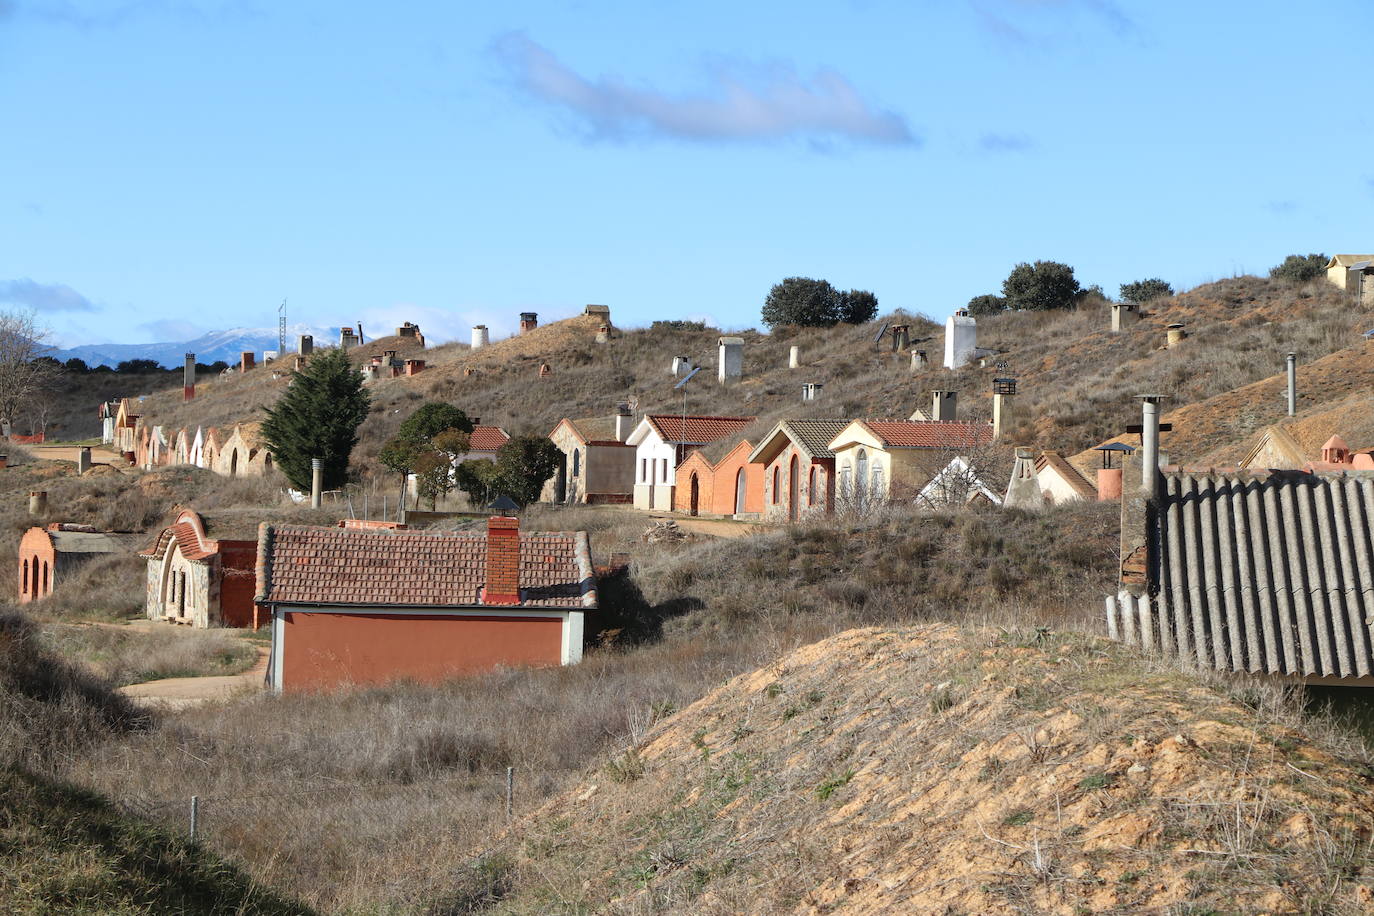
column 299, row 564
column 1264, row 572
column 911, row 434
column 814, row 436
column 189, row 541
column 488, row 438
column 1068, row 472
column 695, row 430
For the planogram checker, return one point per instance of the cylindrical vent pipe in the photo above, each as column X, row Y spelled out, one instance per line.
column 1149, row 446
column 1292, row 384
column 316, row 481
column 38, row 502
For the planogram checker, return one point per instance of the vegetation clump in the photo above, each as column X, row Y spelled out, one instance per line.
column 805, row 302
column 1299, row 268
column 318, row 417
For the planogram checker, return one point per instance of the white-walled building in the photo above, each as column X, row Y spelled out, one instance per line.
column 662, row 442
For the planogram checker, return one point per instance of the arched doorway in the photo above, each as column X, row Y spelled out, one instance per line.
column 793, row 483
column 695, row 503
column 234, row 463
column 560, row 483
column 739, row 492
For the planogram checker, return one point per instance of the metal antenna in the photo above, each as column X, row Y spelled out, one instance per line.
column 281, row 329
column 683, row 385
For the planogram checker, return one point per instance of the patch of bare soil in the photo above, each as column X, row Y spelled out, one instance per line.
column 934, row 770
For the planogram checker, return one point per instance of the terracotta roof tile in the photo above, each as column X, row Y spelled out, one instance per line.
column 915, row 434
column 340, row 566
column 696, row 430
column 488, row 438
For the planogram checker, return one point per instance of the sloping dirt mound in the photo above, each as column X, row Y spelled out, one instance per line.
column 932, row 770
column 1221, row 428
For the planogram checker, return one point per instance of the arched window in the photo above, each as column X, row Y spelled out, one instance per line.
column 861, row 474
column 33, row 580
column 577, row 462
column 267, row 462
column 846, row 481
column 775, row 485
column 24, row 565
column 811, row 487
column 875, row 486
column 181, row 594
column 234, row 463
column 47, row 588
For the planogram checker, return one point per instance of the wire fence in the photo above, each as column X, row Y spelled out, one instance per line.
column 491, row 796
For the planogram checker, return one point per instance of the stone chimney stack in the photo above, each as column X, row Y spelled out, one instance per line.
column 794, row 357
column 943, row 406
column 528, row 321
column 961, row 339
column 246, row 361
column 624, row 422
column 918, row 361
column 503, row 561
column 188, row 378
column 730, row 362
column 83, row 460
column 1023, row 492
column 305, row 345
column 480, row 337
column 38, row 503
column 811, row 391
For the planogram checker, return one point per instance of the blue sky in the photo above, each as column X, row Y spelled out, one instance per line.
column 170, row 167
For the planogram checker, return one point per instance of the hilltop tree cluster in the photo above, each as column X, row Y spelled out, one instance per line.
column 815, row 303
column 1299, row 268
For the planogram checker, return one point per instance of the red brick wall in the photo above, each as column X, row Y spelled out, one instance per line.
column 36, row 544
column 238, row 582
column 503, row 561
column 717, row 485
column 323, row 651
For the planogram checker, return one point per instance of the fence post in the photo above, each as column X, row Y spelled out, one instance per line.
column 195, row 815
column 510, row 791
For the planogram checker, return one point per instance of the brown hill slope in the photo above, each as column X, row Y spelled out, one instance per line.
column 937, row 770
column 1332, row 397
column 1077, row 380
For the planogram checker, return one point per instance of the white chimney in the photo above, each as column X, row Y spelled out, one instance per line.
column 624, row 422
column 943, row 406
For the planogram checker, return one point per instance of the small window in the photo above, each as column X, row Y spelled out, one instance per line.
column 577, row 462
column 47, row 588
column 811, row 487
column 24, row 565
column 665, row 469
column 775, row 484
column 644, row 470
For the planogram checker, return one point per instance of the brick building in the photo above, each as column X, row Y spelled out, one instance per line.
column 356, row 607
column 798, row 467
column 662, row 442
column 49, row 555
column 200, row 580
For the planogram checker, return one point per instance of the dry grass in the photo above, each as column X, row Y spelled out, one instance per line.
column 375, row 794
column 131, row 655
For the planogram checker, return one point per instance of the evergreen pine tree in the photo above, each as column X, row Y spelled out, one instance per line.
column 318, row 417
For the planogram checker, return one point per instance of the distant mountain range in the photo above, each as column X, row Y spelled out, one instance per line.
column 208, row 348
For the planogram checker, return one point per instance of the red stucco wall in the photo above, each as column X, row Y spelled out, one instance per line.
column 324, row 651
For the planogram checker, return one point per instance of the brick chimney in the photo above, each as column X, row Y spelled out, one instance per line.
column 503, row 561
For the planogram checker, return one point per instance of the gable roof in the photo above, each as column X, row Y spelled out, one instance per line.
column 487, row 438
column 300, row 564
column 1068, row 473
column 811, row 436
column 958, row 480
column 917, row 434
column 1348, row 260
column 1281, row 441
column 695, row 430
column 592, row 430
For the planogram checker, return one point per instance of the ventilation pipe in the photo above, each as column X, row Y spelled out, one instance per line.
column 624, row 422
column 1292, row 384
column 316, row 481
column 1149, row 444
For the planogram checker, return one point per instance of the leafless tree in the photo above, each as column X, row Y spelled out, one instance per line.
column 22, row 375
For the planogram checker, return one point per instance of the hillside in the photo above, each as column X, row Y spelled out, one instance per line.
column 1333, row 397
column 1077, row 381
column 938, row 770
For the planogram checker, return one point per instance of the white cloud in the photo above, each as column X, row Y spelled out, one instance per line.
column 43, row 297
column 741, row 104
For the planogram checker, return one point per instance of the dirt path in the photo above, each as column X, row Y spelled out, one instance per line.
column 181, row 692
column 99, row 454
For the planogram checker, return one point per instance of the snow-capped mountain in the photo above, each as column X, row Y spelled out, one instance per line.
column 208, row 348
